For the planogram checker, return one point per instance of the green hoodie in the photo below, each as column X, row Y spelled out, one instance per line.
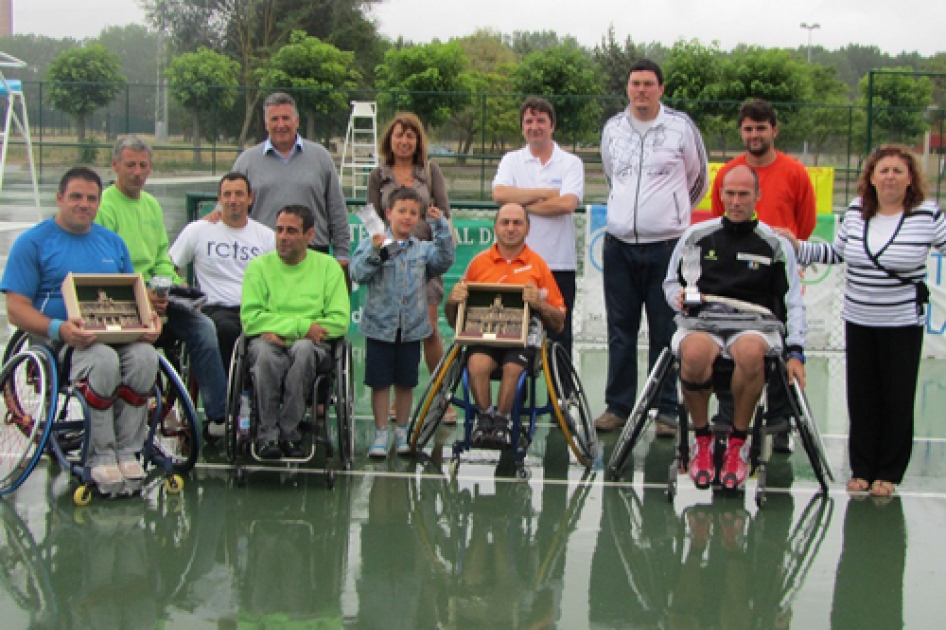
column 287, row 299
column 140, row 223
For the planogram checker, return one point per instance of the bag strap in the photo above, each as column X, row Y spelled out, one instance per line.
column 922, row 291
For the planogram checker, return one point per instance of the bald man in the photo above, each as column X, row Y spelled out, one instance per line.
column 743, row 259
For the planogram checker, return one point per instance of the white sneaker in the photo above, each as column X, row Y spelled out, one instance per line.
column 108, row 478
column 132, row 470
column 379, row 448
column 400, row 441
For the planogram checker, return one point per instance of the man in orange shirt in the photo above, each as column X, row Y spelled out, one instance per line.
column 508, row 261
column 787, row 201
column 788, row 198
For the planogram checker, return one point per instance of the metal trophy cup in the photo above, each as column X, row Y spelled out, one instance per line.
column 690, row 268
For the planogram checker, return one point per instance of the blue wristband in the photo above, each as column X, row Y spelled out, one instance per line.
column 53, row 331
column 797, row 355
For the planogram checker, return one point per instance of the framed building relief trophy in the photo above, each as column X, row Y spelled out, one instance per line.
column 114, row 306
column 493, row 315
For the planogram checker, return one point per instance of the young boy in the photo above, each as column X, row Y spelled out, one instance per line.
column 395, row 319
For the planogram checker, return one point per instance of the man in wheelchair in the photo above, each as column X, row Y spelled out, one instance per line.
column 115, row 380
column 294, row 301
column 748, row 295
column 508, row 261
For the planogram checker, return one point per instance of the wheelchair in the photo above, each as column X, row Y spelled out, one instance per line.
column 45, row 413
column 333, row 388
column 566, row 401
column 761, row 449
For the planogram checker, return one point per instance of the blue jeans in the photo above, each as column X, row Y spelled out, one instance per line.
column 198, row 332
column 633, row 279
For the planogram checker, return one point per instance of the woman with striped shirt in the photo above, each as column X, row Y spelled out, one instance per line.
column 885, row 239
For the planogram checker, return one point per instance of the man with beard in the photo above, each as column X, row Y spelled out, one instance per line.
column 787, row 201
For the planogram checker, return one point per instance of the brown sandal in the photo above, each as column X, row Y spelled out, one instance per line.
column 856, row 484
column 881, row 488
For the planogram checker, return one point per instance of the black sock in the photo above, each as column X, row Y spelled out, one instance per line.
column 703, row 431
column 736, row 433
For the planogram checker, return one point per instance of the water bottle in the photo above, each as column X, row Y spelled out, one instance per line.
column 534, row 339
column 243, row 419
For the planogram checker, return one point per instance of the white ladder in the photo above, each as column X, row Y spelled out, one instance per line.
column 11, row 90
column 360, row 153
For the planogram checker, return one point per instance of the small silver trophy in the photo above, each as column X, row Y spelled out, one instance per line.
column 690, row 268
column 161, row 285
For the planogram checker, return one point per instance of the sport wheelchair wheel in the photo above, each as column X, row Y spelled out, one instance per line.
column 437, row 398
column 639, row 417
column 29, row 382
column 18, row 341
column 236, row 383
column 175, row 428
column 810, row 436
column 345, row 405
column 569, row 403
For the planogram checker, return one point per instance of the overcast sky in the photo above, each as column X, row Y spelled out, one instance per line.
column 894, row 26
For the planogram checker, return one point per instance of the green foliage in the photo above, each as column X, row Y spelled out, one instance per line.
column 82, row 80
column 317, row 74
column 203, row 80
column 899, row 104
column 693, row 81
column 570, row 80
column 614, row 62
column 527, row 42
column 430, row 80
column 491, row 117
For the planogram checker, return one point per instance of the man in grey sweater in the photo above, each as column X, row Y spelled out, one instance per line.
column 285, row 170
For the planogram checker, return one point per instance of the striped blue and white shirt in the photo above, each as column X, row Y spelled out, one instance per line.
column 871, row 296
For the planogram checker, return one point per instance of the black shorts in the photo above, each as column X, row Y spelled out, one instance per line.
column 391, row 363
column 519, row 356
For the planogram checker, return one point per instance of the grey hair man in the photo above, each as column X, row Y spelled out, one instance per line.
column 287, row 170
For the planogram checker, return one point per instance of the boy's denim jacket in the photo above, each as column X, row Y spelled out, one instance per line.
column 397, row 287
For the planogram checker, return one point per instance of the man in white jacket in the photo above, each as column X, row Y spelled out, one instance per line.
column 656, row 167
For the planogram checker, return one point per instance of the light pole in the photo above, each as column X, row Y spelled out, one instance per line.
column 810, row 28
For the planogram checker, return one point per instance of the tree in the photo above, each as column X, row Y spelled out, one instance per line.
column 82, row 80
column 430, row 80
column 614, row 62
column 204, row 82
column 249, row 31
column 693, row 74
column 318, row 74
column 527, row 42
column 899, row 105
column 825, row 121
column 570, row 80
column 492, row 116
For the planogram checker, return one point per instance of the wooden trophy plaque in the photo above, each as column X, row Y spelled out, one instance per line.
column 113, row 306
column 493, row 315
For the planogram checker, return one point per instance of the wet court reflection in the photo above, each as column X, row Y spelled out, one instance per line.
column 401, row 545
column 415, row 549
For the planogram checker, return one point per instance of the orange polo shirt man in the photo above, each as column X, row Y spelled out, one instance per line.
column 508, row 261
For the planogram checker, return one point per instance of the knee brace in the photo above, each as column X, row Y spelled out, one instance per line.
column 691, row 386
column 131, row 397
column 96, row 401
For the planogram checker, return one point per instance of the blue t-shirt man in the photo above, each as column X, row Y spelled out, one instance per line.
column 42, row 256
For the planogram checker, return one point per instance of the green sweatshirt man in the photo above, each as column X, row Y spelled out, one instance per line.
column 140, row 223
column 287, row 299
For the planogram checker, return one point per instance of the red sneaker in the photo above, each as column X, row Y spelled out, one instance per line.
column 735, row 464
column 701, row 462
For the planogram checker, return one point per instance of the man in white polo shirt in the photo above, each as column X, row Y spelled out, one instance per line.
column 220, row 253
column 549, row 183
